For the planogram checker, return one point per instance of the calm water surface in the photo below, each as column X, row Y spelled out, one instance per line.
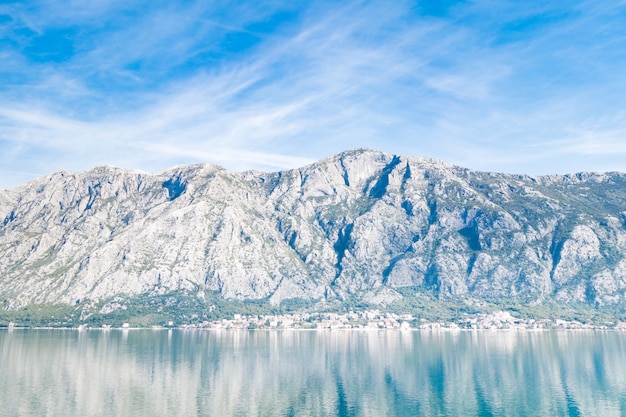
column 311, row 373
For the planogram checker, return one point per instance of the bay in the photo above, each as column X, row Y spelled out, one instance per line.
column 311, row 373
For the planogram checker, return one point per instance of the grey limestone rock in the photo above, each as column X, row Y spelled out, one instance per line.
column 360, row 224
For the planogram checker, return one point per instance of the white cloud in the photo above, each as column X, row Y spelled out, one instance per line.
column 359, row 75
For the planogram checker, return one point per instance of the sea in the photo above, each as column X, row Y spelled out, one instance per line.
column 184, row 373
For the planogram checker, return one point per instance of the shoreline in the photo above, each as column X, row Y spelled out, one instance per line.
column 296, row 329
column 367, row 320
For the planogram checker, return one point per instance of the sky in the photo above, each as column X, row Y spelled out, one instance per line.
column 535, row 87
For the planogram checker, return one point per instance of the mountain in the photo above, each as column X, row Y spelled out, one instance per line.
column 362, row 225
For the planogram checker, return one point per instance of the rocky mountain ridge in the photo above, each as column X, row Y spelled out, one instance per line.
column 358, row 225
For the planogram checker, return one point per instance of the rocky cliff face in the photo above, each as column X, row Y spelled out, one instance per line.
column 361, row 224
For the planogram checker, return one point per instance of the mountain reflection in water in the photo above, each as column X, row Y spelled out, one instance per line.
column 311, row 373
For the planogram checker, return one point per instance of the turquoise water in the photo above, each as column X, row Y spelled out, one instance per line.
column 311, row 373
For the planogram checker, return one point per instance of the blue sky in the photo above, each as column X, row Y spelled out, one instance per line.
column 525, row 87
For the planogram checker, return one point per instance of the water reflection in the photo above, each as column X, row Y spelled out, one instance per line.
column 329, row 373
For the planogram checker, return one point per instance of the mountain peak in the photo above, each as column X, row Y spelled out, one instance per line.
column 353, row 224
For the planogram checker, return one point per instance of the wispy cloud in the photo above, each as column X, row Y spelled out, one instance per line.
column 485, row 84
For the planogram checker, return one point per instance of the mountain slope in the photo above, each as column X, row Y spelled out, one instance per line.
column 361, row 225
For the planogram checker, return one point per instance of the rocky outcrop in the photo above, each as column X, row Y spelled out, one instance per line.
column 6, row 204
column 360, row 224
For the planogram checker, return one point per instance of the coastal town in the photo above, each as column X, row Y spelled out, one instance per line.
column 377, row 320
column 367, row 320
